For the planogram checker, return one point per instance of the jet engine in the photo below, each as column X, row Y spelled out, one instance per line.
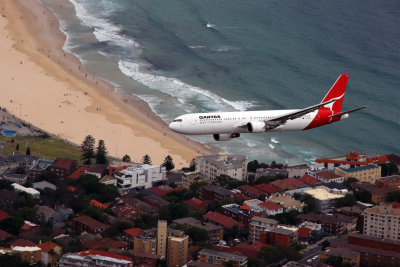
column 225, row 137
column 256, row 127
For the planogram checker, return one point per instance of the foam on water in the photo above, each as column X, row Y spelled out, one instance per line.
column 183, row 92
column 274, row 140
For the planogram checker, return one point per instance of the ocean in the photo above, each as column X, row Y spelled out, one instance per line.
column 185, row 56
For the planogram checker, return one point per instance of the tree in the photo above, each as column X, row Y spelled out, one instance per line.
column 101, row 153
column 325, row 244
column 28, row 151
column 146, row 159
column 173, row 211
column 12, row 140
column 388, row 169
column 168, row 163
column 87, row 148
column 363, row 195
column 11, row 225
column 393, row 196
column 195, row 187
column 126, row 158
column 310, row 201
column 17, row 147
column 347, row 200
column 12, row 260
column 198, row 235
column 349, row 181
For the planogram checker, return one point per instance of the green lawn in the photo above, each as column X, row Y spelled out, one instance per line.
column 50, row 148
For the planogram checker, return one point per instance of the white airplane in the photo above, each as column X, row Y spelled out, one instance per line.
column 227, row 125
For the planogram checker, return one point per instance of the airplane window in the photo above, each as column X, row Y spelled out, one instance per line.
column 178, row 120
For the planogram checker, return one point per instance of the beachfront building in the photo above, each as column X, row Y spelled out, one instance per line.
column 351, row 160
column 367, row 173
column 212, row 166
column 139, row 176
column 325, row 201
column 328, row 177
column 297, row 170
column 192, row 177
column 382, row 221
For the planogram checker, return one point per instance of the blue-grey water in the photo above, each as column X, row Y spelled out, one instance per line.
column 216, row 55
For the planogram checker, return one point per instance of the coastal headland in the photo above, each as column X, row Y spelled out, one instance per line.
column 49, row 88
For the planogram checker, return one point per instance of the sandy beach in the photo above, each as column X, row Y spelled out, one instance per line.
column 51, row 90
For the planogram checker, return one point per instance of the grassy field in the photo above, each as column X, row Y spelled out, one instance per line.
column 49, row 148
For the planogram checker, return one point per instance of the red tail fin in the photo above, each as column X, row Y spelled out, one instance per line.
column 337, row 91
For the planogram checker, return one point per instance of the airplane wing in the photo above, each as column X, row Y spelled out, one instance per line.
column 275, row 122
column 347, row 112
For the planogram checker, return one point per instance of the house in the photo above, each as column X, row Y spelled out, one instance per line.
column 251, row 191
column 220, row 219
column 215, row 233
column 131, row 233
column 88, row 224
column 236, row 212
column 348, row 256
column 281, row 236
column 366, row 173
column 4, row 235
column 288, row 184
column 30, row 255
column 91, row 257
column 297, row 170
column 140, row 206
column 331, row 224
column 97, row 204
column 219, row 258
column 270, row 172
column 392, row 181
column 212, row 166
column 351, row 160
column 105, row 242
column 270, row 208
column 16, row 175
column 107, row 179
column 309, row 180
column 196, row 204
column 211, row 193
column 44, row 184
column 98, row 170
column 146, row 259
column 123, row 212
column 39, row 167
column 75, row 175
column 287, row 202
column 258, row 225
column 328, row 176
column 155, row 201
column 269, row 189
column 62, row 167
column 116, row 166
column 51, row 252
column 378, row 194
column 47, row 214
column 353, row 211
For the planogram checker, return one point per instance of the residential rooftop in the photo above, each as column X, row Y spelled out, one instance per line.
column 360, row 168
column 322, row 194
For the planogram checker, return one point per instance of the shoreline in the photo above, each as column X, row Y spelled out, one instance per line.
column 43, row 44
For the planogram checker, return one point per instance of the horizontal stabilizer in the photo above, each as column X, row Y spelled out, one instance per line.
column 347, row 112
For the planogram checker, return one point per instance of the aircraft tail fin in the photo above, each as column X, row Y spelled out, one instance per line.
column 337, row 91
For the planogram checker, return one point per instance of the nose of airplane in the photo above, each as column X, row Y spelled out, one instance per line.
column 173, row 126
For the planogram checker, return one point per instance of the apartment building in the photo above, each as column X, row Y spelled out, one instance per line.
column 177, row 250
column 94, row 258
column 139, row 176
column 219, row 258
column 382, row 221
column 192, row 177
column 325, row 201
column 212, row 166
column 258, row 225
column 367, row 173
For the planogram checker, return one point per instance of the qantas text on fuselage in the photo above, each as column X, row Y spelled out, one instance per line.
column 226, row 125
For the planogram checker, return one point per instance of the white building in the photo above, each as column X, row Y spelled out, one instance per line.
column 30, row 191
column 258, row 225
column 382, row 221
column 270, row 208
column 214, row 165
column 325, row 201
column 139, row 176
column 298, row 170
column 328, row 177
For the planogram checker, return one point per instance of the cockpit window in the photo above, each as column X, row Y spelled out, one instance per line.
column 178, row 120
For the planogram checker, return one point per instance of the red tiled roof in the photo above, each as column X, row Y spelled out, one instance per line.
column 135, row 231
column 3, row 215
column 23, row 243
column 97, row 204
column 270, row 205
column 71, row 188
column 78, row 172
column 47, row 246
column 159, row 191
column 303, row 232
column 245, row 207
column 104, row 254
column 327, row 175
column 221, row 219
column 64, row 163
column 196, row 204
column 251, row 189
column 308, row 179
column 268, row 188
column 4, row 235
column 396, row 205
column 92, row 223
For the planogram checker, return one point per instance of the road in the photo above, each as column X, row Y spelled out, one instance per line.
column 309, row 254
